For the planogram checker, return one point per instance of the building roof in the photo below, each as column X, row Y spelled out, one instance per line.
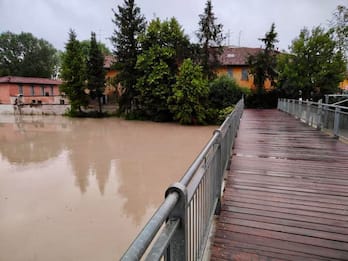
column 29, row 80
column 237, row 55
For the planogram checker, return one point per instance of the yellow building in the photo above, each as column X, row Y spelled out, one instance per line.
column 234, row 63
column 344, row 85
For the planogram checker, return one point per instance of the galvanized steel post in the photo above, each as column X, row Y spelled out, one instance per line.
column 320, row 116
column 308, row 111
column 337, row 122
column 299, row 115
column 177, row 249
column 219, row 171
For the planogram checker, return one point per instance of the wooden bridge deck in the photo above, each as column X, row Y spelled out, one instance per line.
column 286, row 195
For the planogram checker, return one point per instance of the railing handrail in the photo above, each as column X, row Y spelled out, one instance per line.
column 316, row 103
column 177, row 200
column 330, row 117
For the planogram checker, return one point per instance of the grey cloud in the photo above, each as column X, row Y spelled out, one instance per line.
column 247, row 20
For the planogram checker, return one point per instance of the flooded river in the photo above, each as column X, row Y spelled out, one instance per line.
column 81, row 189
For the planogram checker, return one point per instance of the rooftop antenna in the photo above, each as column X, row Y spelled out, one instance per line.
column 239, row 36
column 99, row 35
column 228, row 37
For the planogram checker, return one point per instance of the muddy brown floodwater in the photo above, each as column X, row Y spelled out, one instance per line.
column 81, row 189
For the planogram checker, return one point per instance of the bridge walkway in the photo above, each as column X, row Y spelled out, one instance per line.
column 286, row 194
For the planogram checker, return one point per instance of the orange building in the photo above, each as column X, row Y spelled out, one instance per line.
column 234, row 63
column 108, row 61
column 30, row 90
column 344, row 85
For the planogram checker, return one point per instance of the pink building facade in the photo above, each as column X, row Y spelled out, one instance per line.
column 29, row 90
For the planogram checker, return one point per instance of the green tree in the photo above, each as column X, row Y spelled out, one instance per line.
column 25, row 55
column 162, row 46
column 95, row 71
column 190, row 92
column 263, row 64
column 86, row 45
column 130, row 23
column 339, row 25
column 73, row 74
column 315, row 66
column 224, row 92
column 210, row 39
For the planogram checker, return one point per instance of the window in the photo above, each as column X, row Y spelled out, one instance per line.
column 32, row 90
column 52, row 91
column 42, row 90
column 245, row 74
column 20, row 89
column 230, row 72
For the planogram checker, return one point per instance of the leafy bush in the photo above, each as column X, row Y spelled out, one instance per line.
column 189, row 100
column 224, row 113
column 225, row 92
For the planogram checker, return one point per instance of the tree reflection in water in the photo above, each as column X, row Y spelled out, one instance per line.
column 129, row 163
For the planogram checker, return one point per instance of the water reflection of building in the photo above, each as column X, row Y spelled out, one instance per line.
column 25, row 140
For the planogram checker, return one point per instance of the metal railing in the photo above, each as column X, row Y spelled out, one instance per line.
column 180, row 227
column 327, row 117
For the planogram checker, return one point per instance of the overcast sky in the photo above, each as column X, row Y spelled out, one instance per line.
column 246, row 20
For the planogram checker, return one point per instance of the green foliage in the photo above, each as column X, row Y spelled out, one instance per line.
column 189, row 100
column 163, row 46
column 225, row 92
column 26, row 55
column 73, row 73
column 265, row 100
column 86, row 44
column 130, row 24
column 91, row 114
column 315, row 66
column 210, row 39
column 95, row 71
column 339, row 25
column 223, row 113
column 263, row 64
column 154, row 84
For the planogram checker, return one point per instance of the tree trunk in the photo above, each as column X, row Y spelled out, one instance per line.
column 100, row 104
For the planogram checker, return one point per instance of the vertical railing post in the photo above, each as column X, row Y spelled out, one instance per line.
column 219, row 170
column 308, row 110
column 319, row 116
column 177, row 249
column 287, row 106
column 337, row 122
column 299, row 109
column 325, row 121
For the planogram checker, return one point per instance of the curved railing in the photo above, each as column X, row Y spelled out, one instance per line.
column 180, row 227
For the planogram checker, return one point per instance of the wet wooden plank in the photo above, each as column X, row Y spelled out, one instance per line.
column 286, row 195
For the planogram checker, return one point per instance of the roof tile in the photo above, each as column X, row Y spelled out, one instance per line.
column 29, row 80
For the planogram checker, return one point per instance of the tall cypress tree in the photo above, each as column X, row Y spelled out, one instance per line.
column 73, row 74
column 130, row 23
column 95, row 71
column 210, row 39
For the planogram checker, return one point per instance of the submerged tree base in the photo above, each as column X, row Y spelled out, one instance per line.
column 89, row 114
